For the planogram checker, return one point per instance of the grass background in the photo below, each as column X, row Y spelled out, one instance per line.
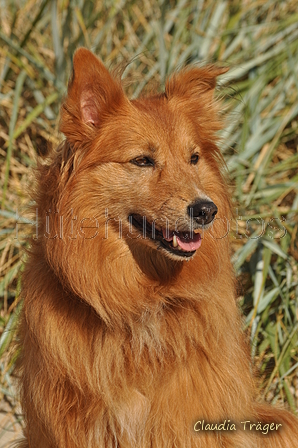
column 258, row 40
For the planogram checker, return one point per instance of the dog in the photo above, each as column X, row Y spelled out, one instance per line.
column 130, row 333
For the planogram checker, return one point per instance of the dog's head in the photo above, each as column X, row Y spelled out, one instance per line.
column 150, row 168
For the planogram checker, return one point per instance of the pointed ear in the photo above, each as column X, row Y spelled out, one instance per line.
column 192, row 91
column 194, row 82
column 92, row 93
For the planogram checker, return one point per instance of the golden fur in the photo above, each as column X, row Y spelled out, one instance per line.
column 123, row 343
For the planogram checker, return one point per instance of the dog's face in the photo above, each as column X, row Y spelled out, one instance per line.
column 149, row 167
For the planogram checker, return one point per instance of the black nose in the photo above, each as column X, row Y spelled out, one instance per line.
column 203, row 212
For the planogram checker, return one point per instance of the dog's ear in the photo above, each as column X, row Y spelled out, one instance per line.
column 194, row 82
column 92, row 94
column 192, row 90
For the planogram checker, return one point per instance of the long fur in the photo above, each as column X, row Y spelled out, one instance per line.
column 124, row 345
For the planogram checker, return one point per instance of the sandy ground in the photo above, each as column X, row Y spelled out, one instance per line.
column 10, row 427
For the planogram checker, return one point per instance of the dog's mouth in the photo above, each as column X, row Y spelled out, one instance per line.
column 181, row 244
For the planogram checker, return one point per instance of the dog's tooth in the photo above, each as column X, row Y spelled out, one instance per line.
column 175, row 242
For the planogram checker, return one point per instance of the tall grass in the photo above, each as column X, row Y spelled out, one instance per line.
column 258, row 40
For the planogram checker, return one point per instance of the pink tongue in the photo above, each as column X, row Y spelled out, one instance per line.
column 188, row 244
column 184, row 241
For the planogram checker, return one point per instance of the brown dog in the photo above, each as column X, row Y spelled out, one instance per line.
column 130, row 332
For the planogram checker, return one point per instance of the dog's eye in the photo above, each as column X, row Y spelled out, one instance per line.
column 194, row 159
column 142, row 161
